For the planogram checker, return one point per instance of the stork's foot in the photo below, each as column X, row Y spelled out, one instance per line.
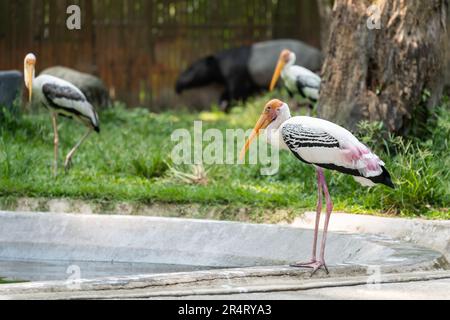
column 68, row 164
column 315, row 265
column 303, row 264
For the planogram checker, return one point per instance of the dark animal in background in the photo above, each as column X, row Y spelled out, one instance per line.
column 245, row 71
column 11, row 89
column 229, row 68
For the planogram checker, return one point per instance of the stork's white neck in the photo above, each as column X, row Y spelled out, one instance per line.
column 273, row 135
column 288, row 65
column 292, row 60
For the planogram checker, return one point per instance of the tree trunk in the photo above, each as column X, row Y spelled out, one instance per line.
column 382, row 60
column 325, row 9
column 447, row 82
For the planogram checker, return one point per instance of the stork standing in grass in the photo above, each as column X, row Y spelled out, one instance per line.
column 324, row 145
column 297, row 79
column 60, row 98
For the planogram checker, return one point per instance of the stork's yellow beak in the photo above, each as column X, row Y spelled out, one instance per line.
column 29, row 69
column 277, row 73
column 29, row 83
column 263, row 122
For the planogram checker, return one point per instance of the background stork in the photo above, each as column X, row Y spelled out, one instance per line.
column 324, row 145
column 297, row 79
column 60, row 98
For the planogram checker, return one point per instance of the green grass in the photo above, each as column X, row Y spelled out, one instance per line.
column 130, row 161
column 3, row 281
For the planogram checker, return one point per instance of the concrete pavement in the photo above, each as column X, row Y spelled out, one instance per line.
column 241, row 284
column 418, row 290
column 361, row 265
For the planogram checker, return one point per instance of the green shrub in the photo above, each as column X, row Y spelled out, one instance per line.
column 153, row 167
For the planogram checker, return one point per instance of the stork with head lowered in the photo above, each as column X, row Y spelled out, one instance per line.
column 297, row 79
column 60, row 98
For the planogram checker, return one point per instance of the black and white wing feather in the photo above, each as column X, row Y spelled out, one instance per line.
column 329, row 146
column 297, row 136
column 306, row 82
column 68, row 100
column 308, row 79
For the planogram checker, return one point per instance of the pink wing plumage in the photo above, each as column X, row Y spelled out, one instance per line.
column 361, row 158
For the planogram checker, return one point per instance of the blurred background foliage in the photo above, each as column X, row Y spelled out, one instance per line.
column 130, row 160
column 138, row 47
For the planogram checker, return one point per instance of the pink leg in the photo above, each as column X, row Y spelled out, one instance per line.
column 321, row 261
column 313, row 262
column 56, row 142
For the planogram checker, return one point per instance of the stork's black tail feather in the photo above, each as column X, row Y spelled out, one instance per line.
column 384, row 178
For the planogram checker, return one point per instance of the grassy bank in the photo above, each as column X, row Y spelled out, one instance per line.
column 3, row 281
column 130, row 161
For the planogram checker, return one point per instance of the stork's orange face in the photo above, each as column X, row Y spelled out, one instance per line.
column 269, row 115
column 285, row 57
column 29, row 69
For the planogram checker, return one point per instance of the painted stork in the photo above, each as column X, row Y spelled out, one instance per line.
column 60, row 98
column 297, row 79
column 324, row 145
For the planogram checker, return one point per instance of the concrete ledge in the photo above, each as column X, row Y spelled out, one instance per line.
column 352, row 259
column 426, row 233
column 248, row 280
column 66, row 237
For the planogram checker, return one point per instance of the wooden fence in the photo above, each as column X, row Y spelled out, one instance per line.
column 138, row 47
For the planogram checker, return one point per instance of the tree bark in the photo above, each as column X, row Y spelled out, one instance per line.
column 325, row 10
column 382, row 57
column 447, row 82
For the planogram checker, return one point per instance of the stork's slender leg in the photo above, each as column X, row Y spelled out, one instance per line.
column 72, row 152
column 310, row 109
column 318, row 264
column 316, row 229
column 56, row 142
column 325, row 228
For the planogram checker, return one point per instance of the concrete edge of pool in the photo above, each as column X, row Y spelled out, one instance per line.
column 252, row 256
column 433, row 234
column 223, row 282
